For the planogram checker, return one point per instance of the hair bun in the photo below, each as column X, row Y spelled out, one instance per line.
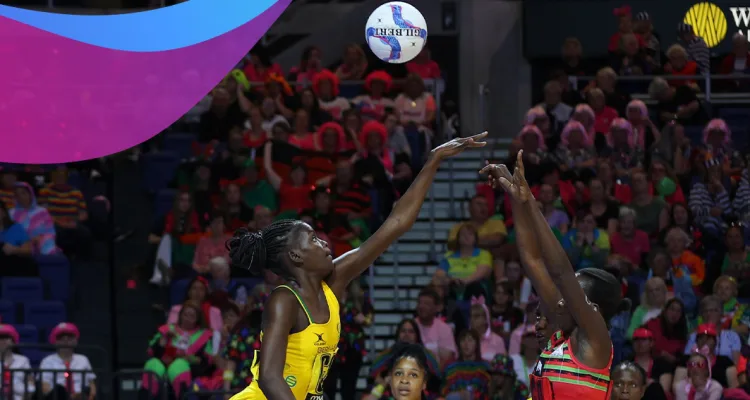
column 247, row 249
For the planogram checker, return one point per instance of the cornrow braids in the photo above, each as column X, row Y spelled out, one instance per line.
column 262, row 250
column 629, row 365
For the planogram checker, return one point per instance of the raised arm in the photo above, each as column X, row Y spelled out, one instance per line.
column 588, row 319
column 528, row 248
column 405, row 211
column 590, row 322
column 271, row 174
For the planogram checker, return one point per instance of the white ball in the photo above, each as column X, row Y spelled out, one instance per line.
column 396, row 32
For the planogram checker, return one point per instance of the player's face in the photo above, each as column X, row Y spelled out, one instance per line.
column 313, row 251
column 407, row 380
column 627, row 385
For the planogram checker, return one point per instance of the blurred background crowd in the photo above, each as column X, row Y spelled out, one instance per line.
column 644, row 178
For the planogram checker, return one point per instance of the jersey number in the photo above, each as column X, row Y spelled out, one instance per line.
column 325, row 360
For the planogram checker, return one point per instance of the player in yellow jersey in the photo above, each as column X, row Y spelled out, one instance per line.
column 301, row 327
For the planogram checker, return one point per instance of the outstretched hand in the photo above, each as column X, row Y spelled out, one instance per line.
column 514, row 184
column 458, row 145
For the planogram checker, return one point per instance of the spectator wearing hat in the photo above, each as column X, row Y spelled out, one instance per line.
column 504, row 383
column 724, row 342
column 524, row 361
column 325, row 84
column 624, row 16
column 76, row 375
column 374, row 104
column 658, row 369
column 707, row 338
column 696, row 47
column 645, row 28
column 17, row 381
column 696, row 382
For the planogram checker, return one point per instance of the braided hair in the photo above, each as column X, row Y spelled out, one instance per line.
column 263, row 250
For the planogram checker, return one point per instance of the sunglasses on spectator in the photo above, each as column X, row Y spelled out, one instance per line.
column 696, row 364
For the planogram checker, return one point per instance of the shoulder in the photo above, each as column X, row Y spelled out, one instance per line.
column 81, row 359
column 48, row 361
column 22, row 361
column 484, row 254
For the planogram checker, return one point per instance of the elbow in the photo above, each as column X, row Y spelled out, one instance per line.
column 266, row 383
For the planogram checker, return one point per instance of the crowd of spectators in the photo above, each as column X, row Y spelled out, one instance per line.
column 333, row 147
column 623, row 184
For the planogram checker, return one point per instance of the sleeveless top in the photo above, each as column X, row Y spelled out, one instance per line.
column 558, row 375
column 309, row 354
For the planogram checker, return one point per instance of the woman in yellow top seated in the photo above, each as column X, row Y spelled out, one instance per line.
column 300, row 328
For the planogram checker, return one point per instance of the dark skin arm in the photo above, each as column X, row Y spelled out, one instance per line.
column 354, row 263
column 528, row 246
column 277, row 325
column 592, row 342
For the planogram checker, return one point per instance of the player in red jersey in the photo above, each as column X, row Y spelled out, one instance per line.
column 576, row 363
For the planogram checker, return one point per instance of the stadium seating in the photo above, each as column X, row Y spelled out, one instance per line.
column 163, row 202
column 179, row 143
column 44, row 314
column 55, row 271
column 177, row 291
column 7, row 312
column 22, row 290
column 159, row 169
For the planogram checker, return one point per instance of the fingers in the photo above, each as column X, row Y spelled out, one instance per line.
column 487, row 168
column 519, row 163
column 479, row 136
column 504, row 172
column 505, row 183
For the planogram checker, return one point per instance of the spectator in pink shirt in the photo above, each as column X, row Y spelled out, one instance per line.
column 437, row 336
column 516, row 337
column 424, row 66
column 628, row 241
column 212, row 245
column 198, row 293
column 491, row 343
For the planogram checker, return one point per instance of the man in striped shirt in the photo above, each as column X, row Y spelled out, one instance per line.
column 67, row 207
column 696, row 47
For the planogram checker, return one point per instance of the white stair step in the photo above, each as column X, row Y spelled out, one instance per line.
column 438, row 213
column 423, row 247
column 449, row 176
column 390, row 280
column 411, row 258
column 437, row 226
column 394, row 319
column 441, row 188
column 413, row 270
column 390, row 294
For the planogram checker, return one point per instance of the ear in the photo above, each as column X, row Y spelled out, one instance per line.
column 295, row 257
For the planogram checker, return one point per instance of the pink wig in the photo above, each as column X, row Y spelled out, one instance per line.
column 534, row 113
column 571, row 126
column 533, row 130
column 589, row 112
column 640, row 105
column 717, row 124
column 623, row 124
